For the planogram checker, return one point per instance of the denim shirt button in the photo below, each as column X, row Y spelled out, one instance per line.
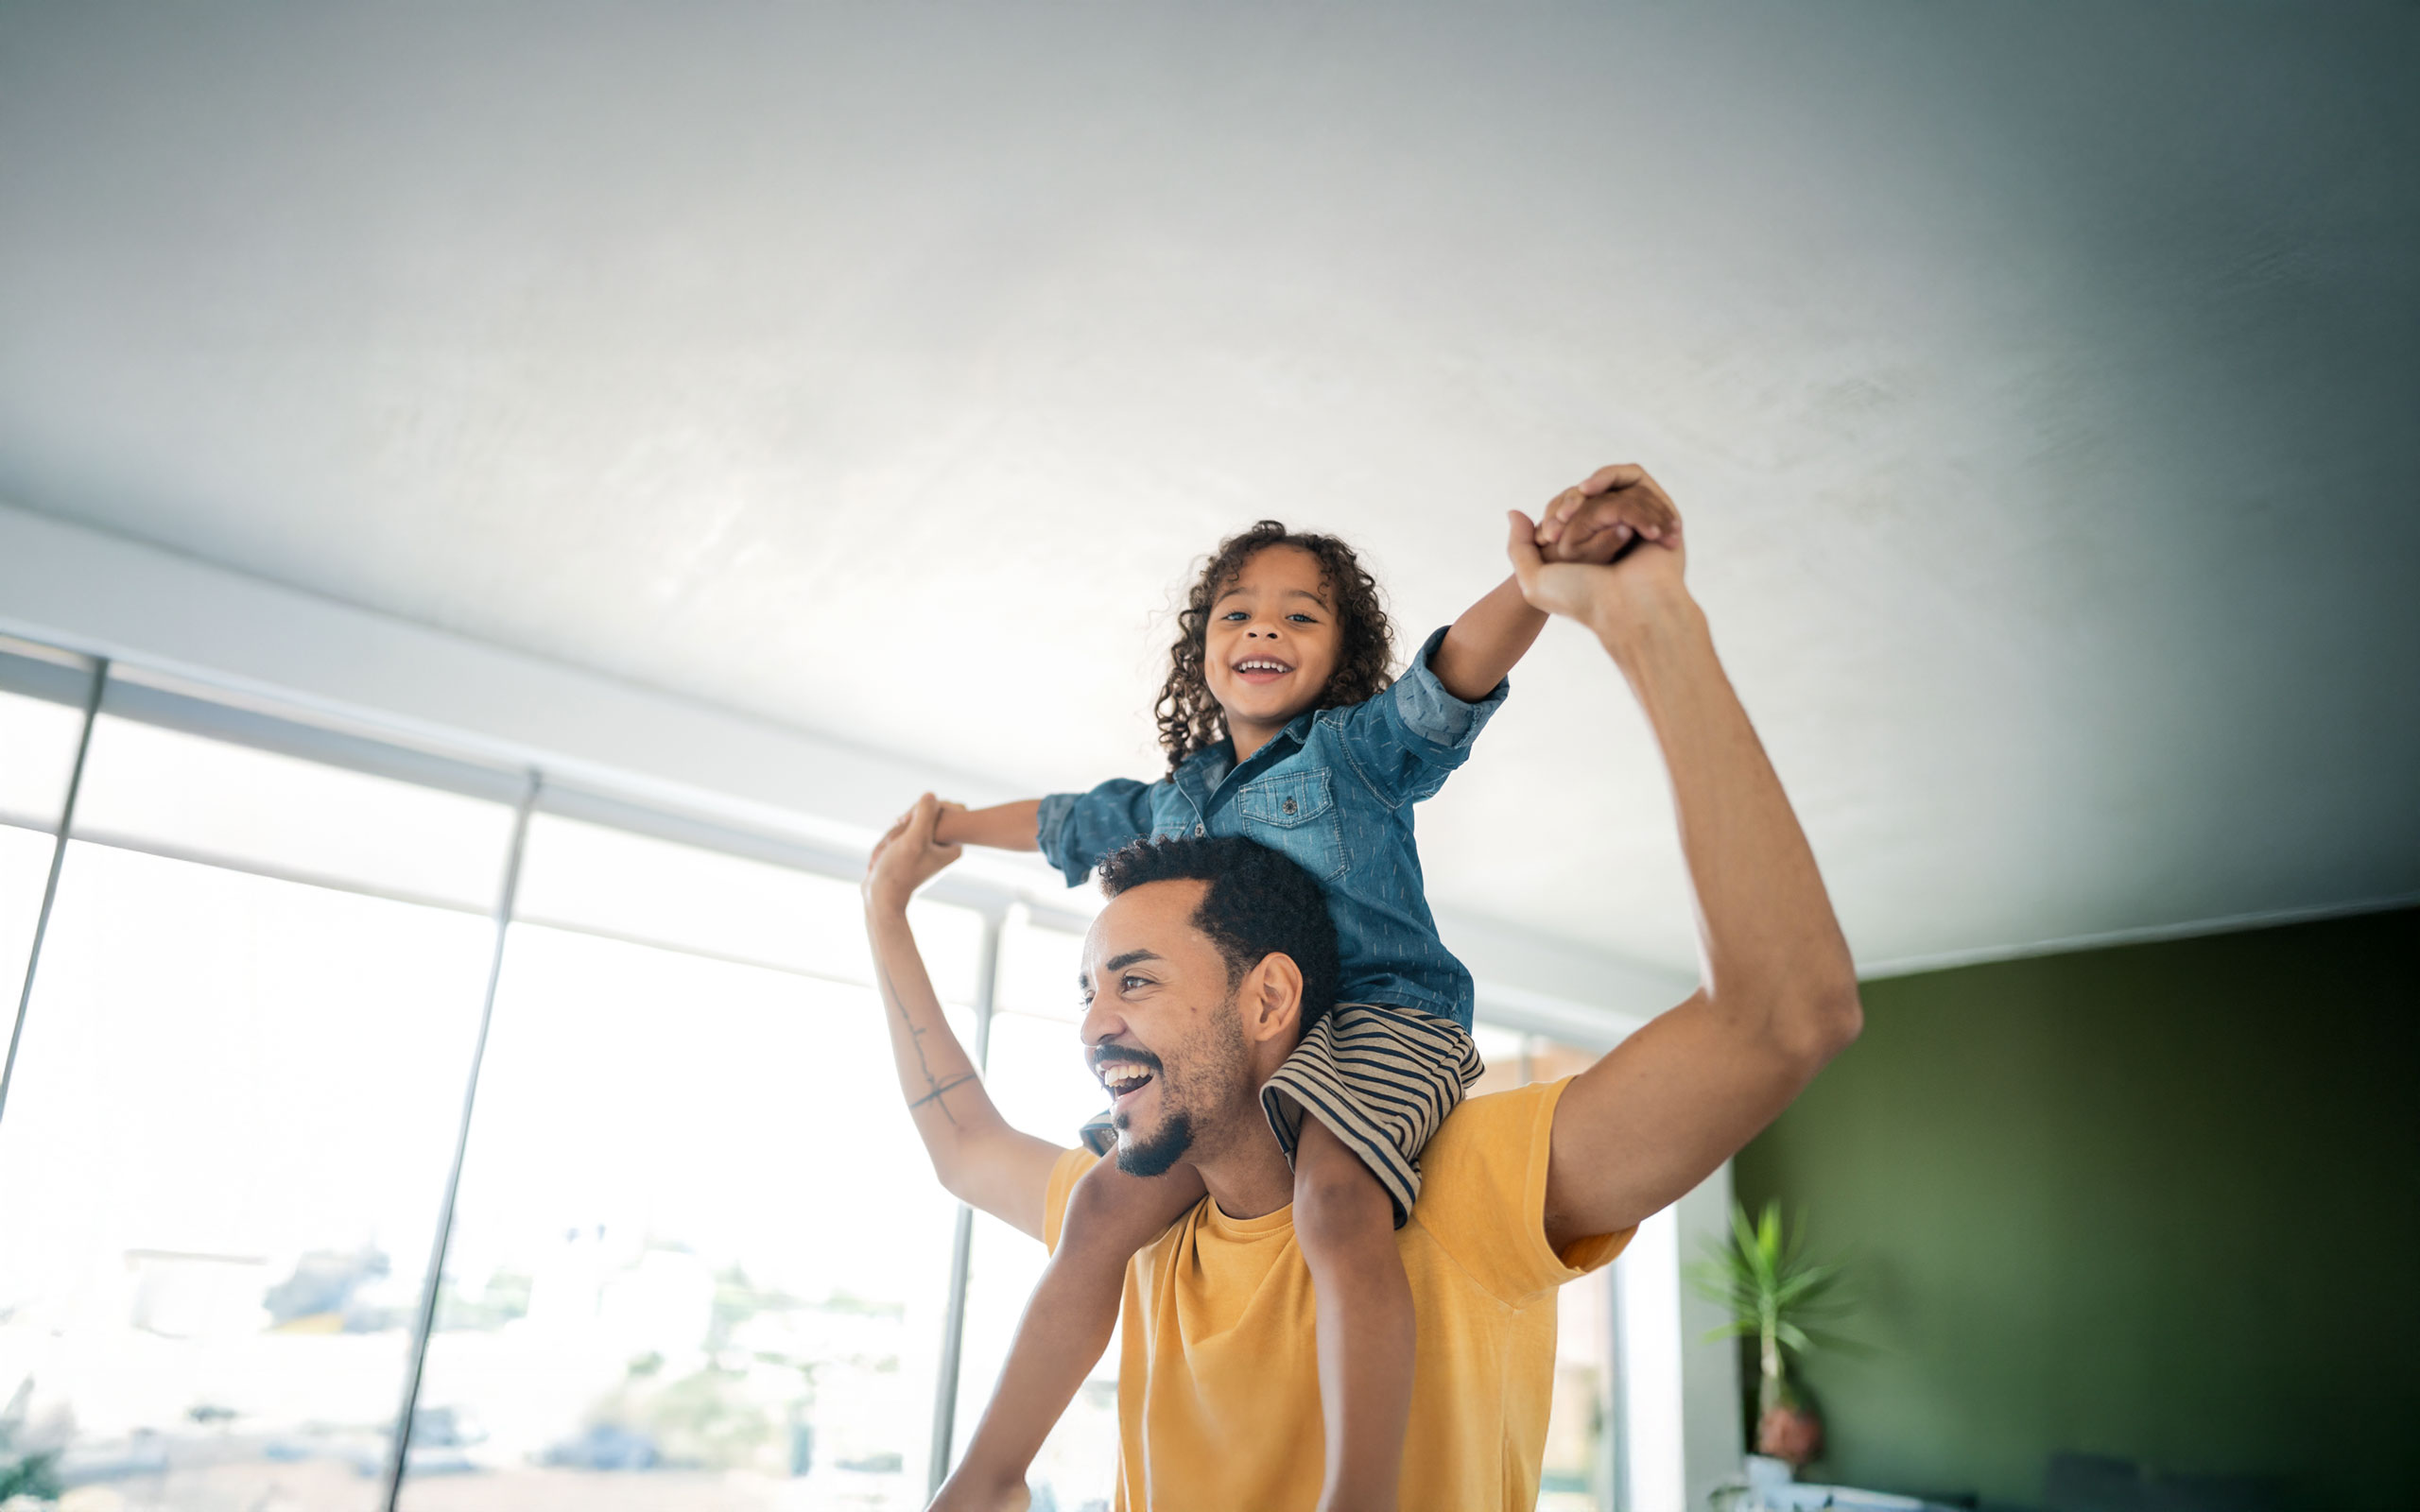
column 1199, row 831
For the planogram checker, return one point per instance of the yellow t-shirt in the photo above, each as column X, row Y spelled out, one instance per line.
column 1217, row 1389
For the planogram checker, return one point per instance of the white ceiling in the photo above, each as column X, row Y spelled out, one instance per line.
column 2043, row 383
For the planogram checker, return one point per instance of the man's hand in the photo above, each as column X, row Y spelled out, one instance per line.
column 1603, row 516
column 907, row 856
column 1612, row 598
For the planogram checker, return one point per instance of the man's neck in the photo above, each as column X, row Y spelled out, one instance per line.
column 1250, row 1179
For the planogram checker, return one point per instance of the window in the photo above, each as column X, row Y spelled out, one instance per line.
column 695, row 1257
column 1577, row 1475
column 698, row 1250
column 230, row 1119
column 40, row 727
column 1037, row 1078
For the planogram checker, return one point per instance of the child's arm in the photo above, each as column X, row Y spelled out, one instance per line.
column 982, row 1160
column 1003, row 826
column 1482, row 645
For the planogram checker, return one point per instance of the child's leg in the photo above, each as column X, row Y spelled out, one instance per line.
column 1065, row 1327
column 1345, row 1223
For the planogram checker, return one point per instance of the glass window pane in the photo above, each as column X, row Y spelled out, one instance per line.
column 37, row 756
column 1036, row 1074
column 212, row 800
column 24, row 867
column 221, row 1169
column 1577, row 1475
column 632, row 886
column 699, row 1260
column 1038, row 969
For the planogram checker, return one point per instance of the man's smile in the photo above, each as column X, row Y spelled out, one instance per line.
column 1124, row 1081
column 1125, row 1076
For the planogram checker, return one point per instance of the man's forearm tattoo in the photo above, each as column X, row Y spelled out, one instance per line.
column 951, row 1085
column 916, row 1038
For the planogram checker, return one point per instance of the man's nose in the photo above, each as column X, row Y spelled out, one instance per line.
column 1102, row 1024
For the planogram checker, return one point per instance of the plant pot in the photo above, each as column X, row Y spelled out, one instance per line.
column 1790, row 1430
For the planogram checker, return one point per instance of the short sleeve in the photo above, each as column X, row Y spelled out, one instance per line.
column 1070, row 1166
column 1408, row 740
column 1483, row 1197
column 1076, row 829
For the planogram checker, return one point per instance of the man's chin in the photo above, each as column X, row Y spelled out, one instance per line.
column 1154, row 1154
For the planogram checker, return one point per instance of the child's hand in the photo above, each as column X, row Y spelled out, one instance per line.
column 1600, row 519
column 907, row 857
column 949, row 826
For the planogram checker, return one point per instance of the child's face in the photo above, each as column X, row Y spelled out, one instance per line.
column 1272, row 639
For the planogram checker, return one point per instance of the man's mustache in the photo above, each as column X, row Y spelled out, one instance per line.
column 1113, row 1054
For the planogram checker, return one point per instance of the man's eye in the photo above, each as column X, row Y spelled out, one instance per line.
column 1131, row 983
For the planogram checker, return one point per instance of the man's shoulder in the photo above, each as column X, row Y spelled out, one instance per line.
column 1485, row 1131
column 1483, row 1193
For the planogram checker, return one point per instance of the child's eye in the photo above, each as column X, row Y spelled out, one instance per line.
column 1234, row 614
column 1304, row 618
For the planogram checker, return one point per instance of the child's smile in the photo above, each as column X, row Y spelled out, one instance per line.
column 1270, row 646
column 1262, row 670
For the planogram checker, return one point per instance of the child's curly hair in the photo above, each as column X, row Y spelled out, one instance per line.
column 1190, row 719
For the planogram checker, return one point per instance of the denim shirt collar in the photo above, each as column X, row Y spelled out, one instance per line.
column 1208, row 771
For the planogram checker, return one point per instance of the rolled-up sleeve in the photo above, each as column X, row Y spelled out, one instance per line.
column 1076, row 829
column 1408, row 740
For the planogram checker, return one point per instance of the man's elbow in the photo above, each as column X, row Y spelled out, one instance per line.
column 1821, row 1020
column 950, row 1166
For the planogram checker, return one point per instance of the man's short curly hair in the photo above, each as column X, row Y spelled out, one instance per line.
column 1259, row 904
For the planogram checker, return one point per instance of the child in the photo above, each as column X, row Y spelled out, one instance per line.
column 1282, row 725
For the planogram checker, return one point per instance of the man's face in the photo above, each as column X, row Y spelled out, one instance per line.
column 1161, row 1027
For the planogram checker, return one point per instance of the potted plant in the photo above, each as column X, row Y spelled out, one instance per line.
column 1778, row 1296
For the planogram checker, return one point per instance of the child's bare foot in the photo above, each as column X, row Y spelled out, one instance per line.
column 958, row 1495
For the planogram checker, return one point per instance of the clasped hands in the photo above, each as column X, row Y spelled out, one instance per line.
column 1602, row 552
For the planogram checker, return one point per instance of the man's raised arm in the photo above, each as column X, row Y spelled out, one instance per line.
column 982, row 1161
column 1672, row 1102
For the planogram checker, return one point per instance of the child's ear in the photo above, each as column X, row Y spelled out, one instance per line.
column 1272, row 998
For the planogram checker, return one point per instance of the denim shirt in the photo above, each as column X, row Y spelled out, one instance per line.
column 1334, row 792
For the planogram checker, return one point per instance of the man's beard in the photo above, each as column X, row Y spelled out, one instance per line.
column 1225, row 1054
column 1158, row 1155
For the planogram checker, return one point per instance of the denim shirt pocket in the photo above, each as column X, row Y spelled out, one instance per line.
column 1296, row 814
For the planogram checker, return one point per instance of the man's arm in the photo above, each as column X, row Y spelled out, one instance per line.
column 982, row 1160
column 1003, row 826
column 1672, row 1102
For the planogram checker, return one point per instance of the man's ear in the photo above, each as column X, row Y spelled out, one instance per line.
column 1271, row 999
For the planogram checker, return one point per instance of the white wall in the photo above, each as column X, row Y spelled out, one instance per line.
column 1681, row 1394
column 1648, row 1289
column 1712, row 1445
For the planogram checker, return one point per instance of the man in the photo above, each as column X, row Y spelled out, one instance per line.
column 1196, row 977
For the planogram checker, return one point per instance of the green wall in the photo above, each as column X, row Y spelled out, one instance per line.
column 2155, row 1201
